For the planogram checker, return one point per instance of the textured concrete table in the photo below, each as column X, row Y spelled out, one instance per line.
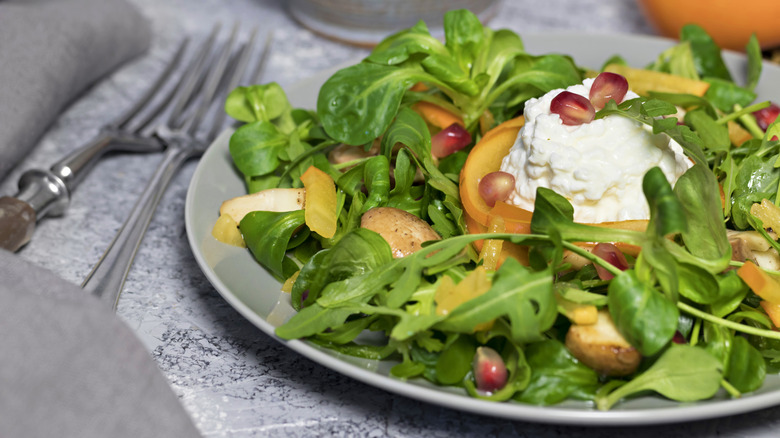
column 233, row 379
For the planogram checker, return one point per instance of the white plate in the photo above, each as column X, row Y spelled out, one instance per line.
column 255, row 294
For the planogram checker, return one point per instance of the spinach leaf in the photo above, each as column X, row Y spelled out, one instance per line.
column 399, row 47
column 756, row 179
column 255, row 148
column 706, row 53
column 697, row 284
column 464, row 37
column 410, row 130
column 646, row 318
column 682, row 373
column 731, row 291
column 356, row 253
column 699, row 196
column 376, row 175
column 267, row 235
column 556, row 375
column 746, row 367
column 667, row 215
column 358, row 103
column 455, row 361
column 755, row 62
column 725, row 94
column 258, row 103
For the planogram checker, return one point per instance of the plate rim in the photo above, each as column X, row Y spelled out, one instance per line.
column 675, row 413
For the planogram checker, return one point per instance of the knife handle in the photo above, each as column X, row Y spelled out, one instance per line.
column 17, row 222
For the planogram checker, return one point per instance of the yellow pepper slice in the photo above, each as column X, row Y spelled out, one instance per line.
column 491, row 249
column 449, row 295
column 643, row 81
column 320, row 202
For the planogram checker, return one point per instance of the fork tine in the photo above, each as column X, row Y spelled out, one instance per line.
column 212, row 83
column 188, row 82
column 122, row 121
column 108, row 275
column 255, row 77
column 235, row 78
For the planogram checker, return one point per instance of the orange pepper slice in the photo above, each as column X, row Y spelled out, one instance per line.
column 760, row 282
column 436, row 115
column 486, row 157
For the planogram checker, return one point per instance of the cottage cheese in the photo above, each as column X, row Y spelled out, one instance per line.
column 597, row 166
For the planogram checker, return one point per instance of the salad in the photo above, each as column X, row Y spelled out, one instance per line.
column 385, row 211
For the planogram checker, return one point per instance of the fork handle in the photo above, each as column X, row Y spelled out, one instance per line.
column 109, row 274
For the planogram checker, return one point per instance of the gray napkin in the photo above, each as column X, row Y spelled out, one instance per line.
column 50, row 51
column 70, row 368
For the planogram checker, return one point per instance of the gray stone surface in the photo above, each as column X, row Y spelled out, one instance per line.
column 233, row 379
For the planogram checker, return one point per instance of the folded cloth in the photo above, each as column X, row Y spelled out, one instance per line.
column 71, row 368
column 52, row 50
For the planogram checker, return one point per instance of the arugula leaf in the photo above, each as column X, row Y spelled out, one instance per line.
column 525, row 297
column 714, row 136
column 311, row 320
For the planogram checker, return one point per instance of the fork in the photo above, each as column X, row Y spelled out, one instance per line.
column 183, row 140
column 47, row 192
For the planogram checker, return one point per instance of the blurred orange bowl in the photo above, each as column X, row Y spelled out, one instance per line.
column 729, row 22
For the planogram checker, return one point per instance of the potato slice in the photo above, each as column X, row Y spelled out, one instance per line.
column 403, row 231
column 602, row 348
column 266, row 200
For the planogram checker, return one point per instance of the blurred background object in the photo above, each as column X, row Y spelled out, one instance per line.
column 366, row 22
column 730, row 23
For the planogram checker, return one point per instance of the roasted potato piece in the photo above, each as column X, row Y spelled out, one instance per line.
column 602, row 348
column 751, row 245
column 403, row 231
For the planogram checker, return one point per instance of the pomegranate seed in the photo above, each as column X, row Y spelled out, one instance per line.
column 449, row 140
column 496, row 186
column 489, row 370
column 611, row 254
column 678, row 338
column 608, row 86
column 573, row 108
column 766, row 116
